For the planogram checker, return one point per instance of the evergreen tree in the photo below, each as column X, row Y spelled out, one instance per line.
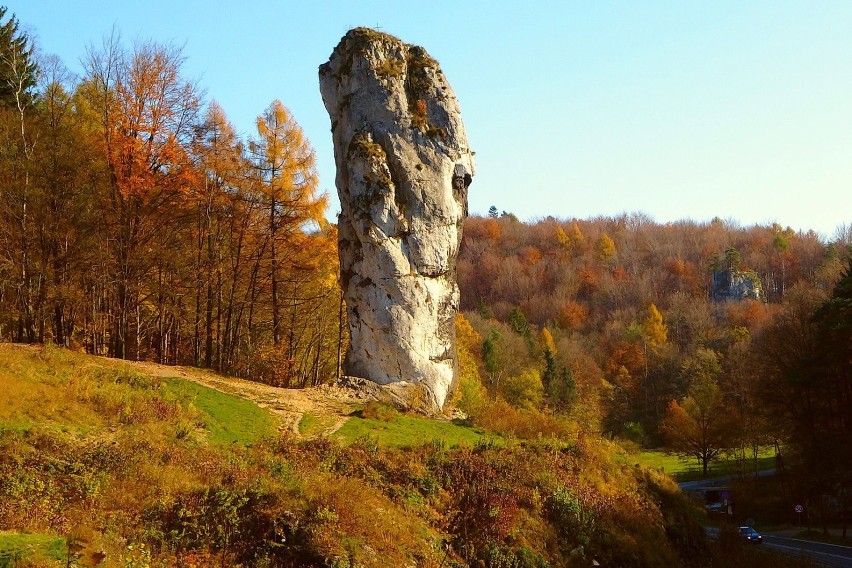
column 518, row 322
column 549, row 352
column 563, row 389
column 490, row 351
column 18, row 71
column 733, row 259
column 832, row 376
column 483, row 310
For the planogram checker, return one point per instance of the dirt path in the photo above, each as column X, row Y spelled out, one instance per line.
column 329, row 404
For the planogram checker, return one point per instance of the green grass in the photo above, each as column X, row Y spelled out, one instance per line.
column 688, row 470
column 408, row 431
column 312, row 425
column 672, row 465
column 229, row 419
column 17, row 546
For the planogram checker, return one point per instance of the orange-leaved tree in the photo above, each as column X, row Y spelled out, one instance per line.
column 147, row 112
column 698, row 426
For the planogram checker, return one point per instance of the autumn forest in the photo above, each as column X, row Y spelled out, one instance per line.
column 135, row 223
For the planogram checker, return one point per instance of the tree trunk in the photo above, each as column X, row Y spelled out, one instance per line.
column 340, row 336
column 208, row 314
column 274, row 273
column 58, row 325
column 120, row 325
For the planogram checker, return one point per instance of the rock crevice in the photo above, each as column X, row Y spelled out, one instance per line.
column 403, row 171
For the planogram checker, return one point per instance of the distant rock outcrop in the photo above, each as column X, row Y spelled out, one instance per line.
column 403, row 169
column 735, row 285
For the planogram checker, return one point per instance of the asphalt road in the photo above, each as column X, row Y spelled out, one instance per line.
column 716, row 482
column 828, row 554
column 824, row 554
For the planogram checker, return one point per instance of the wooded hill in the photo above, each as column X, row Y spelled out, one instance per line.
column 106, row 463
column 627, row 302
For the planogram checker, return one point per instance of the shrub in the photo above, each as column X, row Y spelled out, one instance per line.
column 268, row 364
column 524, row 390
column 484, row 510
column 574, row 522
column 501, row 417
column 378, row 411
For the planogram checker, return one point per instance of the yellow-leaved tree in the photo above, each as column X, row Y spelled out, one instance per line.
column 470, row 395
column 605, row 247
column 546, row 341
column 287, row 180
column 562, row 238
column 655, row 331
column 220, row 214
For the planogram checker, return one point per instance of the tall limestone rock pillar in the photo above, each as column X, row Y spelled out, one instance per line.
column 403, row 169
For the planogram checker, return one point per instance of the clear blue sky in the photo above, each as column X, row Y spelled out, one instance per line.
column 740, row 110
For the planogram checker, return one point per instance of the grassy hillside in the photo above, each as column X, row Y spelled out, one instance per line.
column 688, row 469
column 389, row 429
column 108, row 466
column 228, row 419
column 19, row 547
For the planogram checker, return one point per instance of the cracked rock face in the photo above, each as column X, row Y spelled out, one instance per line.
column 403, row 169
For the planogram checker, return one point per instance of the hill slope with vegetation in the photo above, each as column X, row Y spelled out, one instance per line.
column 131, row 467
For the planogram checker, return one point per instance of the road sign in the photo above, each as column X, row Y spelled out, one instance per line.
column 799, row 508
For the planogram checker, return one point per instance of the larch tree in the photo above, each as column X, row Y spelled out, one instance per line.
column 562, row 238
column 653, row 328
column 605, row 247
column 286, row 173
column 224, row 173
column 578, row 240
